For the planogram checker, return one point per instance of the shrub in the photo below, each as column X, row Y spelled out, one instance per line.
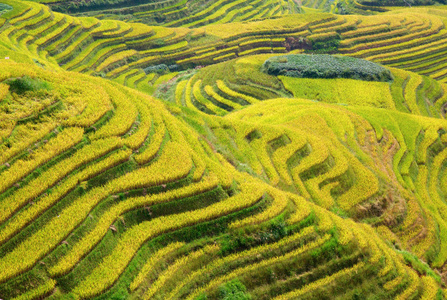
column 325, row 46
column 159, row 69
column 325, row 66
column 233, row 290
column 4, row 8
column 26, row 83
column 173, row 68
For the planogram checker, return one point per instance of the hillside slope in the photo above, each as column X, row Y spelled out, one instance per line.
column 234, row 181
column 129, row 52
column 96, row 184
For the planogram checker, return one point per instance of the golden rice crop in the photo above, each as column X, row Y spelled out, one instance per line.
column 16, row 222
column 247, row 256
column 253, row 267
column 107, row 219
column 64, row 140
column 148, row 265
column 322, row 282
column 112, row 266
column 52, row 176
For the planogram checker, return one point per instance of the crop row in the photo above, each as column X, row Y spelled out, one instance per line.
column 246, row 257
column 40, row 243
column 415, row 26
column 40, row 291
column 321, row 283
column 170, row 12
column 114, row 264
column 24, row 136
column 279, row 204
column 322, row 195
column 100, row 54
column 429, row 27
column 285, row 153
column 29, row 213
column 201, row 257
column 253, row 267
column 125, row 114
column 52, row 176
column 272, row 139
column 65, row 140
column 149, row 265
column 204, row 101
column 156, row 140
column 260, row 147
column 81, row 248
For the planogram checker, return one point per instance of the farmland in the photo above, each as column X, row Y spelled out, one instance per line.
column 264, row 149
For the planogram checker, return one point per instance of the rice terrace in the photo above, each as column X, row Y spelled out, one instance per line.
column 223, row 149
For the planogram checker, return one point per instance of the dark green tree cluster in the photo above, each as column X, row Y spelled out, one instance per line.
column 325, row 66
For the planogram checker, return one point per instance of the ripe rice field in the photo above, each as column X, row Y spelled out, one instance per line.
column 147, row 153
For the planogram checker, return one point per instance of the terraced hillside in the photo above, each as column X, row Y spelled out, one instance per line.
column 107, row 192
column 128, row 52
column 228, row 86
column 186, row 12
column 190, row 172
column 165, row 12
column 322, row 173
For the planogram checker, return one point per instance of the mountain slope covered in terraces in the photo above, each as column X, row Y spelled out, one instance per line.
column 172, row 159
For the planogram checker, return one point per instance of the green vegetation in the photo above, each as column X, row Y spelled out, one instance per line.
column 27, row 84
column 214, row 150
column 325, row 66
column 233, row 290
column 4, row 8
